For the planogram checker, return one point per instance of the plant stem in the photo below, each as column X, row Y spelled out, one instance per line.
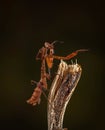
column 60, row 93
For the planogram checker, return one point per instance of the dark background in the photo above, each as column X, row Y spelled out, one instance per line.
column 25, row 26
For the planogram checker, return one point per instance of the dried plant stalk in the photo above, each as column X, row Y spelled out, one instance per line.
column 60, row 93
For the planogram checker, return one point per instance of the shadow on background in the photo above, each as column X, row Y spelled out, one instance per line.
column 25, row 28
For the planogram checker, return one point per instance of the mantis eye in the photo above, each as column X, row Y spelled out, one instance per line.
column 47, row 45
column 51, row 51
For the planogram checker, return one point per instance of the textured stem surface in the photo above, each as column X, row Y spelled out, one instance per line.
column 60, row 93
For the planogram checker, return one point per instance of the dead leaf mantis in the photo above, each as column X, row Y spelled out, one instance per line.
column 46, row 55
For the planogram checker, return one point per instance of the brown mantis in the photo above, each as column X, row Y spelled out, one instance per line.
column 46, row 55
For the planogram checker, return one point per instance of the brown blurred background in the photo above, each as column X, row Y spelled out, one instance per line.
column 25, row 26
